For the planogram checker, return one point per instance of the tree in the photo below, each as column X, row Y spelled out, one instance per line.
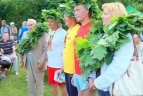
column 20, row 10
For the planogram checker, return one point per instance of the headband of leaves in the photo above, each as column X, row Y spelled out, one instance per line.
column 92, row 5
column 66, row 8
column 51, row 13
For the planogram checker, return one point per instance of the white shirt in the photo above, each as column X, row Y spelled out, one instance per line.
column 110, row 73
column 55, row 55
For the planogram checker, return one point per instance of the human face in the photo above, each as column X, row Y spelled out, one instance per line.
column 80, row 12
column 2, row 23
column 106, row 16
column 12, row 25
column 52, row 24
column 69, row 20
column 24, row 23
column 30, row 25
column 5, row 36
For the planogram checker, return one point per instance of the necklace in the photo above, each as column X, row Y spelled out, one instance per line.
column 50, row 38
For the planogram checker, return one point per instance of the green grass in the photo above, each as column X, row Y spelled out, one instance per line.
column 17, row 86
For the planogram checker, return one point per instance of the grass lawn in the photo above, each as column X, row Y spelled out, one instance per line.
column 17, row 86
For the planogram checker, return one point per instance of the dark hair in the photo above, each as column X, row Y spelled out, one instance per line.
column 5, row 32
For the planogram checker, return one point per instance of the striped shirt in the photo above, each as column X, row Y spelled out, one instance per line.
column 7, row 46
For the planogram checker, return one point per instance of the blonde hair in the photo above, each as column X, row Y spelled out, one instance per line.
column 116, row 9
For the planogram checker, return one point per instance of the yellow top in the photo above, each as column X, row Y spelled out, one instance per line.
column 68, row 51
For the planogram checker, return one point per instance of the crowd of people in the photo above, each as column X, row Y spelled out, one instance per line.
column 55, row 50
column 9, row 36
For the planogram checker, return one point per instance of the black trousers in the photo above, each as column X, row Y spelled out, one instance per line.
column 4, row 64
column 72, row 91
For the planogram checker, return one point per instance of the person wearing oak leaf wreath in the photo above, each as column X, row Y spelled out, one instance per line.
column 35, row 61
column 68, row 51
column 84, row 19
column 56, row 36
column 121, row 59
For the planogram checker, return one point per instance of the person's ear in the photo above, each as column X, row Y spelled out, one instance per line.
column 87, row 11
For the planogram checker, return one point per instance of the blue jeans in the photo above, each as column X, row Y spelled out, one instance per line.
column 15, row 62
column 72, row 90
column 103, row 93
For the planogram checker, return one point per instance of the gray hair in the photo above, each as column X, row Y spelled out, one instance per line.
column 32, row 20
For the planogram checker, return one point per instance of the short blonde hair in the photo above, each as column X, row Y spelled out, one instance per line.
column 116, row 9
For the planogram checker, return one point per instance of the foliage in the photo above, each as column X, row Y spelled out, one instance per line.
column 51, row 13
column 20, row 10
column 98, row 48
column 66, row 8
column 30, row 41
column 138, row 4
column 89, row 4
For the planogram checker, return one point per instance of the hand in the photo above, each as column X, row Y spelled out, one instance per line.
column 13, row 57
column 39, row 66
column 91, row 85
column 2, row 51
column 72, row 80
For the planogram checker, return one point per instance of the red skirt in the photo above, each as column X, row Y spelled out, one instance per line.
column 51, row 71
